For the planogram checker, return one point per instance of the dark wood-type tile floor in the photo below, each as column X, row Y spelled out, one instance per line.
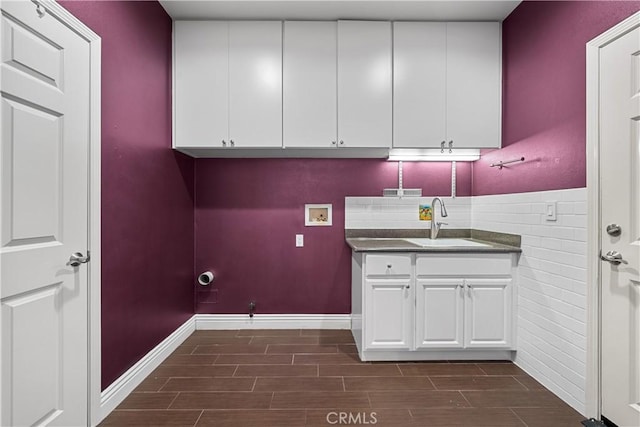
column 290, row 378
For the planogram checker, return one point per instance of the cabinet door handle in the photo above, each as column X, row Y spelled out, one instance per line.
column 341, row 142
column 407, row 287
column 233, row 144
column 389, row 265
column 442, row 146
column 224, row 143
column 333, row 143
column 451, row 146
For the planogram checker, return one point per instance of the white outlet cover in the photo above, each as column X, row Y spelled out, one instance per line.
column 299, row 240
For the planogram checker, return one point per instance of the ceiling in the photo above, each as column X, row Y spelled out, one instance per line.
column 395, row 10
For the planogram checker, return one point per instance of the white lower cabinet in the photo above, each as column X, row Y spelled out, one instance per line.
column 425, row 306
column 488, row 313
column 439, row 313
column 389, row 311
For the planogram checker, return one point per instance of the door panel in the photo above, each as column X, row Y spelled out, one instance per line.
column 364, row 84
column 201, row 67
column 388, row 305
column 620, row 197
column 439, row 316
column 419, row 84
column 309, row 84
column 488, row 313
column 255, row 83
column 44, row 218
column 473, row 84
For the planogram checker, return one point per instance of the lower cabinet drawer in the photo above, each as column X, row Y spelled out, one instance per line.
column 388, row 265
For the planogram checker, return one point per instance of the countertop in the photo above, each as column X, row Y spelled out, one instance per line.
column 393, row 241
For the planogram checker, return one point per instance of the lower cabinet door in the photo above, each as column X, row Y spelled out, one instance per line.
column 488, row 313
column 439, row 313
column 388, row 314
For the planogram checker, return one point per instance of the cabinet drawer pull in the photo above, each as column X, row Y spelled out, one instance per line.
column 407, row 287
column 389, row 266
column 233, row 144
column 224, row 143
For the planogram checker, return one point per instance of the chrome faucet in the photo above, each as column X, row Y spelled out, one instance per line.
column 435, row 226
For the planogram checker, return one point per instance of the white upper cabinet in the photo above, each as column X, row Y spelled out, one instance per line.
column 201, row 74
column 419, row 80
column 447, row 84
column 228, row 84
column 364, row 84
column 474, row 82
column 309, row 84
column 255, row 83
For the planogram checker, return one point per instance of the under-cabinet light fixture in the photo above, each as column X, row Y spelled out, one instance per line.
column 433, row 155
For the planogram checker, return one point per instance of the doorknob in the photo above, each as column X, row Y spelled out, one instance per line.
column 77, row 258
column 614, row 229
column 614, row 257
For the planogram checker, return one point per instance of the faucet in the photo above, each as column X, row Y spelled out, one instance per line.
column 435, row 226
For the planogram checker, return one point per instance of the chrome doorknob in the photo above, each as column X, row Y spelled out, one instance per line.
column 614, row 257
column 77, row 258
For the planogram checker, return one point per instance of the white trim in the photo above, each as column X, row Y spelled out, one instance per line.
column 123, row 386
column 94, row 267
column 593, row 398
column 273, row 321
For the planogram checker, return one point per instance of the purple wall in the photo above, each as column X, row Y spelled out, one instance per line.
column 147, row 189
column 248, row 212
column 544, row 95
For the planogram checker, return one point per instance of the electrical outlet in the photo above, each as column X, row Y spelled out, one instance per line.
column 299, row 240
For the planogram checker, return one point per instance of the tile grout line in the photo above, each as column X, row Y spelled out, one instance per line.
column 465, row 399
column 200, row 416
column 172, row 400
column 518, row 417
column 519, row 382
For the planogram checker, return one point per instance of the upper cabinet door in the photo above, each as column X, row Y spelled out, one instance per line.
column 309, row 84
column 473, row 84
column 364, row 84
column 255, row 83
column 201, row 72
column 419, row 83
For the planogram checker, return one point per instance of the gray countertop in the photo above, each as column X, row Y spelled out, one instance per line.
column 394, row 241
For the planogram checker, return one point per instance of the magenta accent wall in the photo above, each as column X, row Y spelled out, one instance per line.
column 147, row 188
column 248, row 212
column 544, row 95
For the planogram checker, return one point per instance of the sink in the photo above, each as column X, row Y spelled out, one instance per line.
column 445, row 242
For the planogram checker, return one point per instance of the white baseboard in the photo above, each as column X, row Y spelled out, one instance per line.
column 273, row 321
column 113, row 395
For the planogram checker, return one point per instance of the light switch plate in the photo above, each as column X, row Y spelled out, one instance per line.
column 550, row 211
column 299, row 240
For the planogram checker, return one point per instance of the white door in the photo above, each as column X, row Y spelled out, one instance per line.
column 255, row 83
column 439, row 315
column 388, row 314
column 201, row 79
column 419, row 84
column 309, row 84
column 44, row 207
column 488, row 318
column 364, row 84
column 620, row 204
column 473, row 84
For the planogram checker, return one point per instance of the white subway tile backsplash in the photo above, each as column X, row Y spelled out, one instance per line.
column 551, row 271
column 552, row 283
